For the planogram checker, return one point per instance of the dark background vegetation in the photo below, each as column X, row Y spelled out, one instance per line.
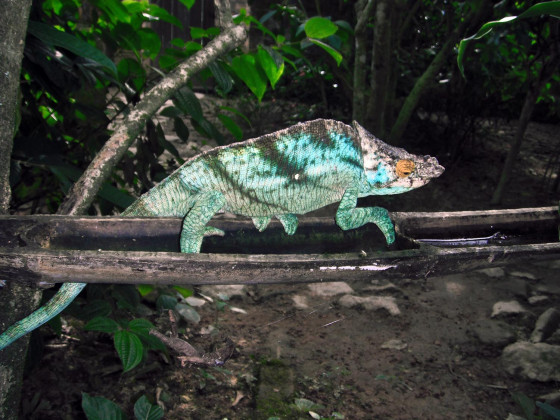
column 390, row 65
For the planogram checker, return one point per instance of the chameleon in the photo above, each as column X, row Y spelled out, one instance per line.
column 282, row 174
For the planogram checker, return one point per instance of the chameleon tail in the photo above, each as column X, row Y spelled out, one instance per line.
column 65, row 295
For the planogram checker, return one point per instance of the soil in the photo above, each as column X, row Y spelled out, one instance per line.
column 300, row 353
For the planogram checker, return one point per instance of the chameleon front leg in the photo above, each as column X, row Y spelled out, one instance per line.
column 206, row 205
column 348, row 216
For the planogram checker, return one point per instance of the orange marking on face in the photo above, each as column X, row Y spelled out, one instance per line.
column 404, row 168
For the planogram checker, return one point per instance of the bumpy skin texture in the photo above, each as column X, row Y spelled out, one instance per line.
column 282, row 174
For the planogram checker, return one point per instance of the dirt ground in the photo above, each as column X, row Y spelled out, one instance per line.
column 301, row 353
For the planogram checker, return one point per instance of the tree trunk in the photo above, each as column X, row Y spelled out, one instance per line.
column 382, row 64
column 479, row 10
column 15, row 300
column 363, row 11
column 547, row 71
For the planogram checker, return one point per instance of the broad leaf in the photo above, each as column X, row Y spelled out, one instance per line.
column 269, row 62
column 319, row 27
column 99, row 408
column 129, row 348
column 186, row 101
column 143, row 410
column 245, row 68
column 75, row 45
column 103, row 324
column 332, row 52
column 551, row 8
column 232, row 126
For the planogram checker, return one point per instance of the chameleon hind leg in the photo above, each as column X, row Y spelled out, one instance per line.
column 194, row 228
column 348, row 216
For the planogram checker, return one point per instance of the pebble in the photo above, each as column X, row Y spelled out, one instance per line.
column 523, row 275
column 394, row 344
column 546, row 325
column 493, row 333
column 371, row 303
column 532, row 361
column 493, row 272
column 511, row 307
column 330, row 288
column 534, row 300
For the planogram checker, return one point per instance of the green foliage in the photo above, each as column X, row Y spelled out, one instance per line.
column 551, row 8
column 100, row 408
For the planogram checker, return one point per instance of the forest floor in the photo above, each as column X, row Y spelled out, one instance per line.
column 302, row 353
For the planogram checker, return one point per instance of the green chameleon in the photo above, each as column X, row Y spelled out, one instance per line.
column 282, row 174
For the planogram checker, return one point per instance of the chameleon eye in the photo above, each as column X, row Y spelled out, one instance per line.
column 404, row 168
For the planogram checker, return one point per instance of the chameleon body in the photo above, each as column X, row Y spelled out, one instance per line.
column 282, row 174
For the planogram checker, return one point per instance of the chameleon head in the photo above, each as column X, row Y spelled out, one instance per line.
column 392, row 170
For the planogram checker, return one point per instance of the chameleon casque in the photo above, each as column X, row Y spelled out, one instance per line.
column 282, row 174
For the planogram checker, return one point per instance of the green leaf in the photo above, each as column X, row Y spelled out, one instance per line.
column 129, row 348
column 186, row 101
column 103, row 324
column 143, row 410
column 245, row 68
column 171, row 112
column 550, row 410
column 224, row 80
column 272, row 66
column 144, row 289
column 188, row 3
column 99, row 408
column 184, row 291
column 551, row 8
column 168, row 145
column 75, row 45
column 526, row 404
column 319, row 27
column 232, row 126
column 127, row 296
column 333, row 53
column 166, row 302
column 150, row 42
column 162, row 14
column 95, row 308
column 197, row 33
column 140, row 326
column 181, row 129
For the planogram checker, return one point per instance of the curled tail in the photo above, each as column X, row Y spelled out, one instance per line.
column 65, row 295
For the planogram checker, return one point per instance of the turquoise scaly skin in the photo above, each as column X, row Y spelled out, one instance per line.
column 282, row 174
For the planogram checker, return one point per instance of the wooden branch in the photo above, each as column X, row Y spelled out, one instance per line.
column 83, row 192
column 514, row 236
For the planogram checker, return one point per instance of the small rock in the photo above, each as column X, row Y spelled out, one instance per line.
column 545, row 326
column 394, row 344
column 548, row 289
column 523, row 275
column 384, row 288
column 330, row 288
column 224, row 291
column 300, row 302
column 493, row 272
column 516, row 286
column 534, row 300
column 511, row 307
column 493, row 333
column 533, row 361
column 371, row 303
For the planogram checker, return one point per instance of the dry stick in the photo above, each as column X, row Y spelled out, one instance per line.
column 84, row 190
